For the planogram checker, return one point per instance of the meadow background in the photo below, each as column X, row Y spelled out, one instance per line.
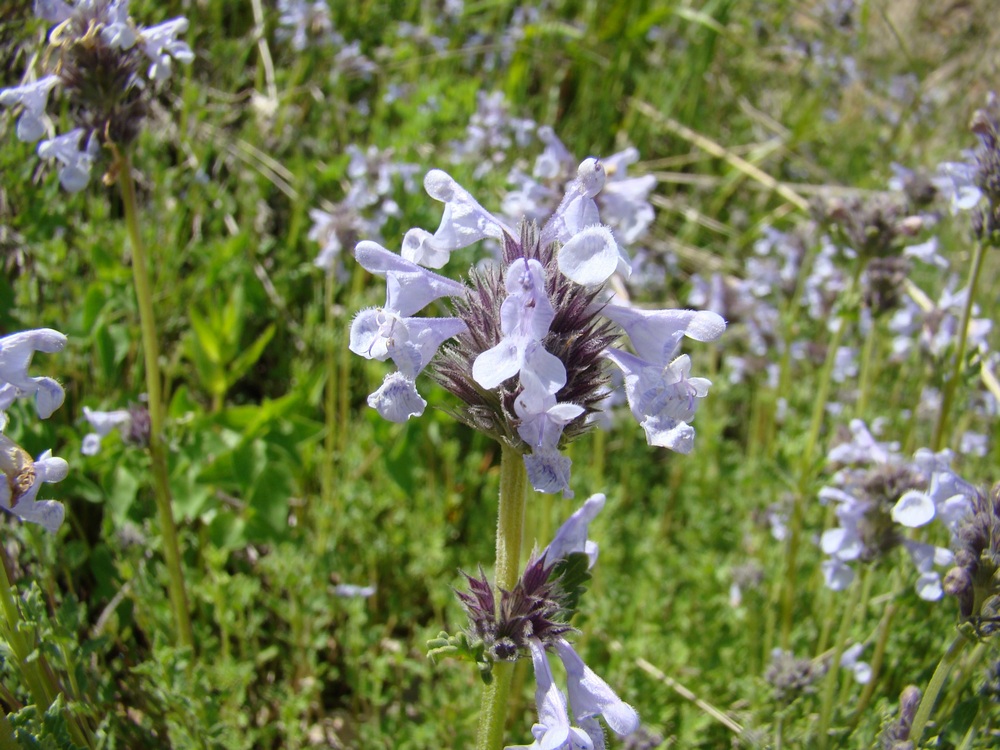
column 749, row 114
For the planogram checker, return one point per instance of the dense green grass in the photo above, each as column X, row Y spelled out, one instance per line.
column 273, row 510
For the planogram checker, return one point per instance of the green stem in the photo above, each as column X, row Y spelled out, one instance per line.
column 510, row 531
column 798, row 509
column 948, row 397
column 833, row 673
column 876, row 663
column 330, row 440
column 868, row 360
column 938, row 679
column 157, row 449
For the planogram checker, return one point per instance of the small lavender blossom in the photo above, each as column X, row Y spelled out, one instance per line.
column 102, row 423
column 22, row 475
column 23, row 478
column 851, row 660
column 34, row 97
column 74, row 161
column 16, row 351
column 530, row 341
column 161, row 45
column 553, row 730
column 590, row 696
column 353, row 591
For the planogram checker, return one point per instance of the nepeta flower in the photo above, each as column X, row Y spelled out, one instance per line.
column 22, row 476
column 74, row 161
column 99, row 54
column 525, row 352
column 553, row 730
column 16, row 351
column 34, row 98
column 103, row 422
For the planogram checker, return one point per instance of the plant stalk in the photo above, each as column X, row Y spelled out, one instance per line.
column 948, row 397
column 157, row 448
column 940, row 676
column 510, row 532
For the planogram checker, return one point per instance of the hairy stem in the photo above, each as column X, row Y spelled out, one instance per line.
column 510, row 531
column 157, row 448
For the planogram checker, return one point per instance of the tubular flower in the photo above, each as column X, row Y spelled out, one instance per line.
column 527, row 350
column 22, row 475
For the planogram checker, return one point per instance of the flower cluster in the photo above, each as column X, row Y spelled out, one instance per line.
column 534, row 617
column 531, row 338
column 24, row 476
column 100, row 54
column 877, row 496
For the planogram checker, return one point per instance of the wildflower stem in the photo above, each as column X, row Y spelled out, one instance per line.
column 948, row 397
column 331, row 438
column 806, row 466
column 868, row 361
column 876, row 663
column 938, row 679
column 833, row 673
column 157, row 449
column 510, row 531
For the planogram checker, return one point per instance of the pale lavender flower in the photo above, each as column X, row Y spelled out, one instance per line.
column 956, row 181
column 388, row 332
column 23, row 479
column 103, row 423
column 23, row 476
column 33, row 97
column 353, row 591
column 553, row 730
column 590, row 696
column 16, row 351
column 875, row 505
column 74, row 162
column 161, row 45
column 96, row 53
column 851, row 660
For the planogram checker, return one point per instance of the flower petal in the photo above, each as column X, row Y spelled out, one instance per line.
column 913, row 509
column 590, row 256
column 397, row 399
